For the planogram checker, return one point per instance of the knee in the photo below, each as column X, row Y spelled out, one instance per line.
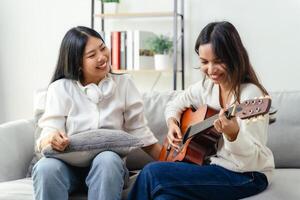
column 46, row 168
column 108, row 160
column 152, row 169
column 107, row 165
column 153, row 166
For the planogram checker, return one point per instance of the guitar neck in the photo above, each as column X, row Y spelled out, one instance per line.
column 249, row 108
column 201, row 126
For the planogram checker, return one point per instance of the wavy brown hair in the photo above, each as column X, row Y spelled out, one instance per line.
column 228, row 47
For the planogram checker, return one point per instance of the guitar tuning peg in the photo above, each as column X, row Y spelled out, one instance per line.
column 255, row 98
column 254, row 119
column 247, row 121
column 261, row 97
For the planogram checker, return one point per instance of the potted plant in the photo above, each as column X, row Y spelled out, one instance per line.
column 162, row 48
column 110, row 6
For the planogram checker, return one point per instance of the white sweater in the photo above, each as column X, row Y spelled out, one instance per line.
column 249, row 151
column 114, row 103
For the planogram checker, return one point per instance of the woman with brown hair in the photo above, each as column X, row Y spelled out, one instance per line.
column 243, row 164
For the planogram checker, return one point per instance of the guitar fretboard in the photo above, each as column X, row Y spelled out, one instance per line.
column 201, row 126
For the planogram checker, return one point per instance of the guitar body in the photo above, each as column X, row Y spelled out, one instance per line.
column 195, row 149
column 200, row 139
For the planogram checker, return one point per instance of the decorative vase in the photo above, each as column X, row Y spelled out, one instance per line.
column 162, row 62
column 111, row 7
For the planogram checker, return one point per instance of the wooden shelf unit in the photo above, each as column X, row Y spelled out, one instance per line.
column 135, row 15
column 176, row 15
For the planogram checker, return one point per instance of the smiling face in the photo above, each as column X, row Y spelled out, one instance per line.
column 213, row 67
column 96, row 61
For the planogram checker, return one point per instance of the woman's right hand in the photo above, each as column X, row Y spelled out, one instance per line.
column 174, row 134
column 58, row 141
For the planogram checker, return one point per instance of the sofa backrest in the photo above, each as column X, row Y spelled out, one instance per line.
column 284, row 134
column 16, row 149
column 154, row 105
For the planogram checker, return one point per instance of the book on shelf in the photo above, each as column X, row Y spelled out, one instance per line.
column 142, row 58
column 123, row 51
column 115, row 50
column 129, row 49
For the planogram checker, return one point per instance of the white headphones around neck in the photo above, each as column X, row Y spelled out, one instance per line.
column 103, row 90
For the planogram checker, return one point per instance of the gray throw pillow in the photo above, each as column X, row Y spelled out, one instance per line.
column 84, row 146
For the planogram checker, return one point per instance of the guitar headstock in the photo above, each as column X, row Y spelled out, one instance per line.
column 251, row 108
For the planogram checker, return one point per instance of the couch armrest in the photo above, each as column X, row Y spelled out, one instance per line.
column 16, row 149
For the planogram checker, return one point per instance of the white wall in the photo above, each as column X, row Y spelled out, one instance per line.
column 31, row 32
column 270, row 30
column 30, row 35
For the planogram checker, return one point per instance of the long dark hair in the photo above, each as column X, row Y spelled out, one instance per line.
column 69, row 64
column 228, row 47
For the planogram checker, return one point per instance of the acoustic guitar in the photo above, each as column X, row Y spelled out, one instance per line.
column 200, row 138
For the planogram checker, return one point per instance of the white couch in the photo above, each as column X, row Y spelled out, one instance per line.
column 17, row 149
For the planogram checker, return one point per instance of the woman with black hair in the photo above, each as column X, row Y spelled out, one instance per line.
column 85, row 95
column 243, row 164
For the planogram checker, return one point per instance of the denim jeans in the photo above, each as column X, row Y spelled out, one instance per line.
column 185, row 181
column 104, row 179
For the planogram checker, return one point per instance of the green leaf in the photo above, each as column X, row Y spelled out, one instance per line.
column 160, row 44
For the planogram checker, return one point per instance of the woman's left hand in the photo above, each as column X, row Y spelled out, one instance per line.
column 229, row 127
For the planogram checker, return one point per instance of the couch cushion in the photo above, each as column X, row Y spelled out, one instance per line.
column 284, row 134
column 16, row 149
column 22, row 189
column 285, row 185
column 16, row 190
column 86, row 145
column 154, row 106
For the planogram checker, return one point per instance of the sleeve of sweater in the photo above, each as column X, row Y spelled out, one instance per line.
column 56, row 110
column 189, row 97
column 249, row 148
column 135, row 121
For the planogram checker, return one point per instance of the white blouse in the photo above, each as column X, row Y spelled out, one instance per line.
column 114, row 103
column 249, row 151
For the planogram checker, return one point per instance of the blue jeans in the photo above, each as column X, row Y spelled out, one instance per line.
column 179, row 180
column 104, row 179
